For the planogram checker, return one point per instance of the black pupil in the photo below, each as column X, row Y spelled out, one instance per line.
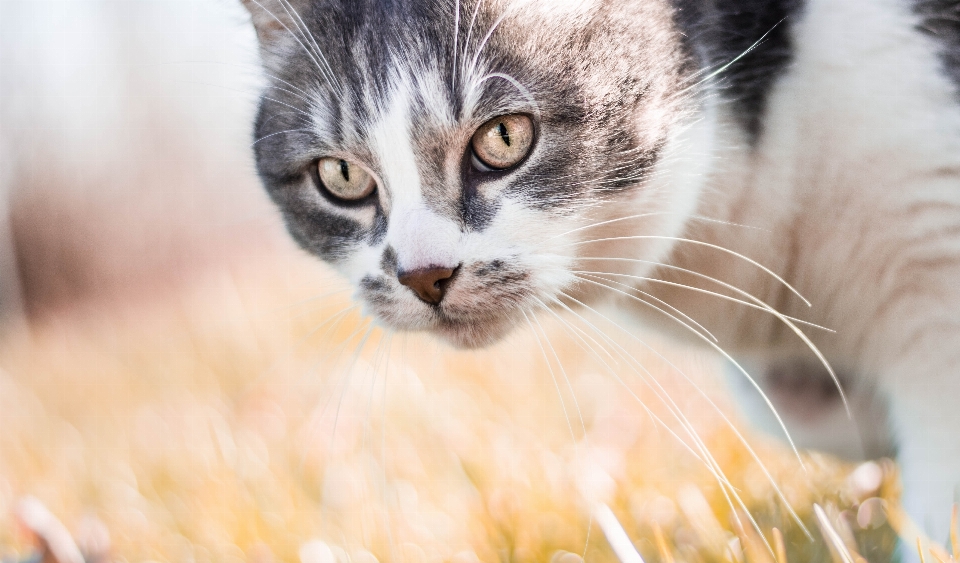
column 345, row 170
column 502, row 129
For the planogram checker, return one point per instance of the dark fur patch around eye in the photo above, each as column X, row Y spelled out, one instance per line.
column 941, row 20
column 721, row 31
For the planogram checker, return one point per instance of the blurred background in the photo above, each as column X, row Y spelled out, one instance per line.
column 179, row 383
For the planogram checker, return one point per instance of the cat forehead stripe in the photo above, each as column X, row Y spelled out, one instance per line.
column 390, row 139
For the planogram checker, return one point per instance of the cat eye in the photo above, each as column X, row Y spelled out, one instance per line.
column 502, row 142
column 344, row 179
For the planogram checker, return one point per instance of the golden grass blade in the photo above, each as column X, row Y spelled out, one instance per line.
column 779, row 547
column 616, row 535
column 940, row 555
column 838, row 549
column 665, row 554
column 754, row 547
column 920, row 551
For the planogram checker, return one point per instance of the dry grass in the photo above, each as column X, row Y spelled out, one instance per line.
column 230, row 424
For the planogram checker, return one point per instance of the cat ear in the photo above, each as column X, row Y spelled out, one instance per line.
column 275, row 20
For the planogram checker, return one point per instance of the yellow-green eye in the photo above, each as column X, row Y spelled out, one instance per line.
column 345, row 179
column 503, row 141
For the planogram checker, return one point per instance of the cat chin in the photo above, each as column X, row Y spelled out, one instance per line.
column 470, row 336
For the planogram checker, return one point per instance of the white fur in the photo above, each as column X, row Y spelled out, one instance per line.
column 856, row 183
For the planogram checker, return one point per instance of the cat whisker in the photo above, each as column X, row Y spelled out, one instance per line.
column 599, row 275
column 716, row 347
column 294, row 108
column 751, row 261
column 553, row 376
column 279, row 133
column 306, row 34
column 329, row 78
column 563, row 372
column 456, row 41
column 742, row 439
column 653, row 416
column 705, row 457
column 343, row 390
column 516, row 84
column 763, row 307
column 483, row 42
column 653, row 214
column 473, row 20
column 732, row 61
column 788, row 321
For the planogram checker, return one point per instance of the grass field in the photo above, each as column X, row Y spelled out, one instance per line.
column 259, row 418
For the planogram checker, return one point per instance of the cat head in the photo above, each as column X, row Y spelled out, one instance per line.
column 455, row 158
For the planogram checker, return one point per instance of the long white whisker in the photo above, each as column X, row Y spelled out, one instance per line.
column 719, row 411
column 296, row 37
column 750, row 378
column 294, row 108
column 573, row 435
column 563, row 372
column 770, row 272
column 766, row 308
column 788, row 321
column 600, row 275
column 278, row 133
column 305, row 33
column 653, row 416
column 733, row 61
column 653, row 214
column 516, row 84
column 483, row 43
column 705, row 456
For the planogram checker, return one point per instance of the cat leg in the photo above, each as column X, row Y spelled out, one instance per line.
column 925, row 409
column 809, row 403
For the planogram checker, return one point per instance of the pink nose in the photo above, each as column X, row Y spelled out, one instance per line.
column 429, row 283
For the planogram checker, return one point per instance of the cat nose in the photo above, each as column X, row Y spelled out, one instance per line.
column 428, row 283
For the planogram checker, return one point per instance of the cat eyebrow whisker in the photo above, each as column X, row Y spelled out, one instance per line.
column 516, row 84
column 456, row 41
column 310, row 53
column 294, row 108
column 741, row 438
column 483, row 43
column 279, row 133
column 307, row 34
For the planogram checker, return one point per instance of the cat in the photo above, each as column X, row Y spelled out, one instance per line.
column 778, row 180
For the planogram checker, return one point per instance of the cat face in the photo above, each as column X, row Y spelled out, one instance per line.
column 453, row 159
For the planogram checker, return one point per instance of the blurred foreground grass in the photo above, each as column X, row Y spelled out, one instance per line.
column 242, row 421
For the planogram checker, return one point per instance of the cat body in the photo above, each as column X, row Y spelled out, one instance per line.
column 665, row 144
